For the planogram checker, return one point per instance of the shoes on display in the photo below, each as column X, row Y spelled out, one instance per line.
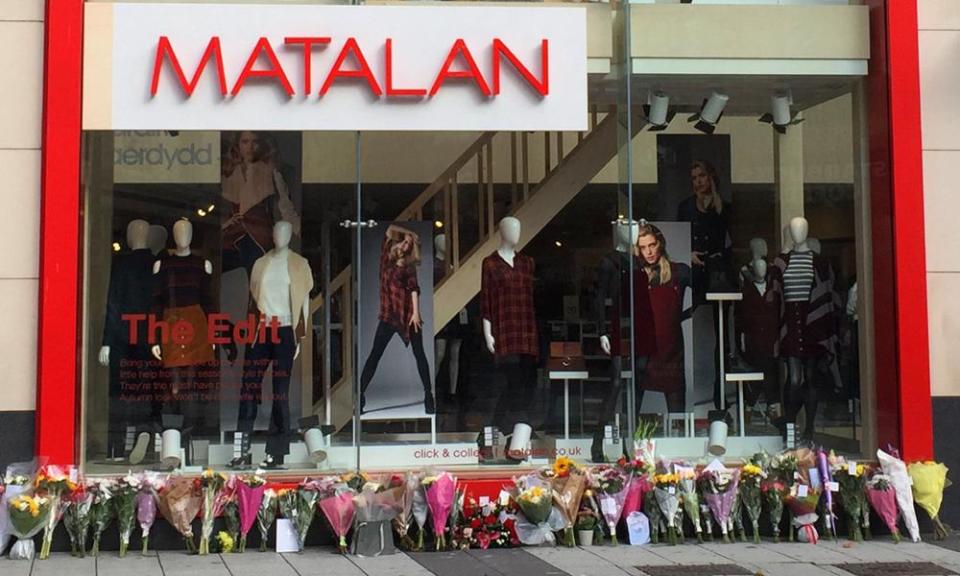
column 241, row 462
column 271, row 463
column 139, row 451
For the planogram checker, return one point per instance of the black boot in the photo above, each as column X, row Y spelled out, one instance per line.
column 596, row 450
column 429, row 404
column 245, row 459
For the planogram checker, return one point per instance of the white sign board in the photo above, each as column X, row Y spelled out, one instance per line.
column 309, row 67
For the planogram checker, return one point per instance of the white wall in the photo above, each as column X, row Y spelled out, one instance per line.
column 21, row 41
column 939, row 86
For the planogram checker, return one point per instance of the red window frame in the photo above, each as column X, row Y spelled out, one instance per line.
column 903, row 386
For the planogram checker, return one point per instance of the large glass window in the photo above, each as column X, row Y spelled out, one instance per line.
column 487, row 298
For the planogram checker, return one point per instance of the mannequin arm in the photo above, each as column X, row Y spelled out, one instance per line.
column 306, row 323
column 104, row 357
column 488, row 335
column 155, row 350
column 605, row 344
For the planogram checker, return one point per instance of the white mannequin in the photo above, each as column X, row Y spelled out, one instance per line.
column 758, row 249
column 758, row 273
column 441, row 345
column 624, row 239
column 509, row 238
column 799, row 229
column 440, row 247
column 814, row 244
column 182, row 237
column 157, row 238
column 282, row 233
column 137, row 233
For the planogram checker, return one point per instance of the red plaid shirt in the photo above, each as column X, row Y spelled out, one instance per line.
column 397, row 283
column 506, row 300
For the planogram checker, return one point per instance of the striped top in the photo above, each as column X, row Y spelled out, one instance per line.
column 798, row 277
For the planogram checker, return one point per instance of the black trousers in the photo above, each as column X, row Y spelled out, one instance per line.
column 258, row 359
column 801, row 391
column 769, row 387
column 609, row 406
column 381, row 338
column 518, row 375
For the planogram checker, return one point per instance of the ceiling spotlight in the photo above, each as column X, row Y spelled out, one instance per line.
column 116, row 246
column 201, row 212
column 657, row 111
column 211, row 207
column 710, row 113
column 438, row 224
column 558, row 244
column 779, row 114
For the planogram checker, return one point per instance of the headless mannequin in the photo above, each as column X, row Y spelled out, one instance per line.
column 443, row 343
column 279, row 350
column 518, row 369
column 137, row 234
column 758, row 251
column 801, row 387
column 624, row 240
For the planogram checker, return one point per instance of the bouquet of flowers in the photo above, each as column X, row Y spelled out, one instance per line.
column 376, row 507
column 644, row 446
column 486, row 526
column 612, row 486
column 539, row 518
column 299, row 506
column 420, row 511
column 17, row 479
column 652, row 511
column 896, row 470
column 852, row 479
column 101, row 511
column 266, row 514
column 826, row 476
column 76, row 519
column 667, row 492
column 179, row 502
column 784, row 468
column 929, row 481
column 53, row 482
column 883, row 499
column 125, row 502
column 718, row 487
column 250, row 491
column 568, row 486
column 401, row 523
column 802, row 501
column 751, row 477
column 28, row 515
column 640, row 483
column 150, row 485
column 773, row 492
column 211, row 483
column 339, row 510
column 440, row 491
column 690, row 499
column 706, row 517
column 231, row 519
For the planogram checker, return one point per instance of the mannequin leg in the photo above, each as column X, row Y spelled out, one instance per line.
column 607, row 409
column 439, row 353
column 256, row 359
column 794, row 393
column 810, row 400
column 281, row 355
column 423, row 367
column 380, row 340
column 454, row 364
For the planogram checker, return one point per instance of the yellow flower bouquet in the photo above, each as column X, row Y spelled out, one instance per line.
column 929, row 481
column 28, row 516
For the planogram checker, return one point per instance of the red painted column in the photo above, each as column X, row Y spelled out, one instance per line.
column 59, row 340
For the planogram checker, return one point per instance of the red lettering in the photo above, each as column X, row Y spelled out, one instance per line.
column 473, row 73
column 165, row 49
column 391, row 91
column 217, row 322
column 364, row 72
column 274, row 330
column 133, row 319
column 500, row 50
column 152, row 326
column 275, row 71
column 308, row 43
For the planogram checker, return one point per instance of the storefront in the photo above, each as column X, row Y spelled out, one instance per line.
column 385, row 236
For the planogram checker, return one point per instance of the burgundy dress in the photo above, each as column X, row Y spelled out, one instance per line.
column 665, row 369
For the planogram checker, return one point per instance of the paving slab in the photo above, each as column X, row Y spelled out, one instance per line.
column 15, row 567
column 578, row 562
column 629, row 556
column 113, row 565
column 60, row 563
column 813, row 553
column 257, row 564
column 688, row 554
column 748, row 553
column 458, row 563
column 177, row 563
column 514, row 562
column 921, row 550
column 393, row 565
column 321, row 562
column 865, row 551
column 791, row 569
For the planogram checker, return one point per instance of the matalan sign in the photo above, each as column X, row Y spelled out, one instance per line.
column 286, row 67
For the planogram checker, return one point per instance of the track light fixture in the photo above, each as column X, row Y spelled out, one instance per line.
column 710, row 113
column 780, row 115
column 658, row 112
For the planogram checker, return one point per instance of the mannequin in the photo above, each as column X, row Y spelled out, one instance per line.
column 509, row 322
column 617, row 272
column 758, row 251
column 758, row 330
column 808, row 333
column 280, row 285
column 182, row 296
column 157, row 239
column 450, row 337
column 130, row 292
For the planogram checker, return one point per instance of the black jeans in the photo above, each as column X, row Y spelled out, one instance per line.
column 515, row 400
column 258, row 359
column 801, row 392
column 609, row 405
column 381, row 338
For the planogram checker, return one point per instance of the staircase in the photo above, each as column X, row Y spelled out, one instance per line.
column 533, row 203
